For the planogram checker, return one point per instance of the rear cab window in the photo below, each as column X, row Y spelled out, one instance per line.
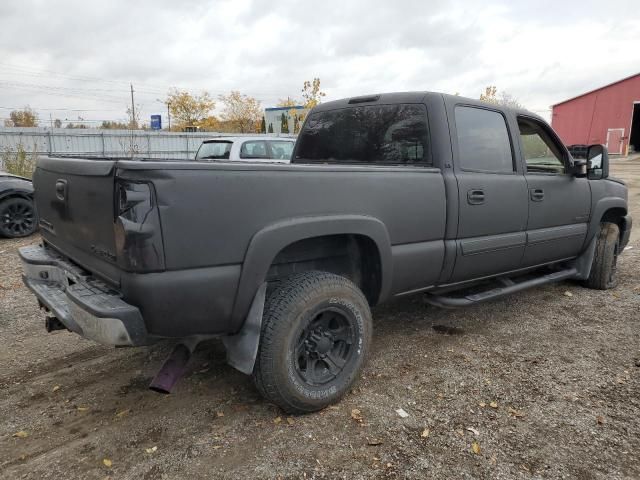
column 373, row 134
column 214, row 150
column 483, row 140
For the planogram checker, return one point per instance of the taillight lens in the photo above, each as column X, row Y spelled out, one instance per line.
column 138, row 238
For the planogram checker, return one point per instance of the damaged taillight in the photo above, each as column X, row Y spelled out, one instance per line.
column 137, row 232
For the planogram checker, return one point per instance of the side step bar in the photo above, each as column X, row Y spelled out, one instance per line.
column 509, row 287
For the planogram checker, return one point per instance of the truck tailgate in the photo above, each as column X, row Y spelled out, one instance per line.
column 75, row 202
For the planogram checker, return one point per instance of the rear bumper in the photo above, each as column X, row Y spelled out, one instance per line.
column 626, row 231
column 82, row 303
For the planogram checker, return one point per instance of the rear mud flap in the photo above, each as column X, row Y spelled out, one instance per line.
column 242, row 348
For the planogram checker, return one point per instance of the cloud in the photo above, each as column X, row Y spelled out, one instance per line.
column 82, row 55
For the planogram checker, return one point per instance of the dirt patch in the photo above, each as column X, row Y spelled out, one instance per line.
column 540, row 384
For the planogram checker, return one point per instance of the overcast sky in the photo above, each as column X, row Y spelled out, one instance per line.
column 79, row 56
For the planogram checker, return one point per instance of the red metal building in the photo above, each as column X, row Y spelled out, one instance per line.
column 609, row 115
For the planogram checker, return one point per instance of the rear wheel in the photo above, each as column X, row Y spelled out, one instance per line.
column 17, row 217
column 316, row 333
column 603, row 269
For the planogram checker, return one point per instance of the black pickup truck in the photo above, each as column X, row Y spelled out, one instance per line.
column 386, row 195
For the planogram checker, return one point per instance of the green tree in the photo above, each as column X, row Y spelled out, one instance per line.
column 242, row 112
column 27, row 117
column 270, row 130
column 263, row 125
column 284, row 124
column 57, row 123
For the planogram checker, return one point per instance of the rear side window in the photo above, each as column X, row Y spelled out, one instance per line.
column 281, row 150
column 255, row 149
column 483, row 140
column 378, row 134
column 214, row 151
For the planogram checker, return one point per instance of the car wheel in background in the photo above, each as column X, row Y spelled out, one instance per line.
column 18, row 217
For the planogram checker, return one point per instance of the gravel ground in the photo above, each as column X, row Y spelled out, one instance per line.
column 544, row 384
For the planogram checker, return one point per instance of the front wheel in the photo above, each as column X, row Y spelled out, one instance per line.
column 604, row 266
column 316, row 332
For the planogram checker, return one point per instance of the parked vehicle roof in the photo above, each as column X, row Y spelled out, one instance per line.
column 243, row 138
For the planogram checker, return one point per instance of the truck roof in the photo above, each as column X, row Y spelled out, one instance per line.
column 412, row 97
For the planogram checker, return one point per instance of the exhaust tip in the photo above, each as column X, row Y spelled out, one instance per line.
column 172, row 370
column 158, row 389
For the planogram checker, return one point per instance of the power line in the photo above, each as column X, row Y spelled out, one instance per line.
column 62, row 109
column 146, row 87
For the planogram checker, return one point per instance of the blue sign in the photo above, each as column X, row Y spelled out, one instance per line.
column 156, row 122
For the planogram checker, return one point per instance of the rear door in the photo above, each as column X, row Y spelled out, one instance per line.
column 492, row 194
column 559, row 203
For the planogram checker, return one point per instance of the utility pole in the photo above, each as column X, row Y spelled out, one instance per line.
column 133, row 108
column 51, row 120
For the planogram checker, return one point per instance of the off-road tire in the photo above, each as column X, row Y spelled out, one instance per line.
column 18, row 217
column 291, row 310
column 603, row 269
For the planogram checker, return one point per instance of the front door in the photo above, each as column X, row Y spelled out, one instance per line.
column 492, row 196
column 559, row 203
column 615, row 138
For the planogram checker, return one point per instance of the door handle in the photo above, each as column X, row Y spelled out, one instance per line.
column 61, row 190
column 537, row 194
column 475, row 196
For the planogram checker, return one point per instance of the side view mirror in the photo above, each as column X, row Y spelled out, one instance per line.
column 591, row 161
column 597, row 162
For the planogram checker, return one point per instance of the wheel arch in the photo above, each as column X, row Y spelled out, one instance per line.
column 608, row 209
column 13, row 193
column 267, row 243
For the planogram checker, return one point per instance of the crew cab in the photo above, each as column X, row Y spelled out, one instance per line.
column 386, row 195
column 259, row 149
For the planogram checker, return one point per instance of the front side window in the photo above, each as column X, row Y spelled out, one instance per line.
column 541, row 153
column 281, row 150
column 373, row 134
column 483, row 140
column 216, row 150
column 254, row 149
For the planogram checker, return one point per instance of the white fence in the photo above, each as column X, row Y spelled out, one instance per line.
column 104, row 143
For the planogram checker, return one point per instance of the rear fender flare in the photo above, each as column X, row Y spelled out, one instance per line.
column 269, row 241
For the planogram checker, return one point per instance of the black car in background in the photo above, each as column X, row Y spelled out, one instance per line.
column 18, row 217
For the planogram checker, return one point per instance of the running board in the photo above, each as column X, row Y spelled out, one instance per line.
column 509, row 287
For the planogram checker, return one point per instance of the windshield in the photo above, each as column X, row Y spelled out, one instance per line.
column 214, row 150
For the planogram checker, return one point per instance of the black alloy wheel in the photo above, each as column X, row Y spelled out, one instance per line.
column 324, row 347
column 17, row 217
